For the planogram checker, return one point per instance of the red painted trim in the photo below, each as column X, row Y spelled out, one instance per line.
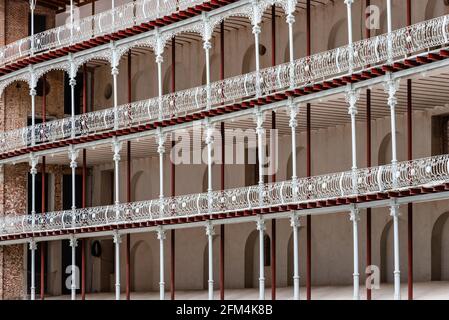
column 128, row 188
column 173, row 184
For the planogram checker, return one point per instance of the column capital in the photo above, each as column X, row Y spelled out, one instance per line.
column 72, row 82
column 161, row 234
column 261, row 224
column 34, row 160
column 210, row 229
column 33, row 4
column 352, row 96
column 260, row 117
column 209, row 133
column 32, row 244
column 117, row 237
column 73, row 155
column 349, row 2
column 294, row 110
column 295, row 221
column 73, row 242
column 161, row 142
column 394, row 210
column 354, row 214
column 391, row 87
column 116, row 148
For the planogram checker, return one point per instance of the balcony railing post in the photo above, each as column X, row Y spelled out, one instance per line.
column 355, row 218
column 389, row 36
column 33, row 93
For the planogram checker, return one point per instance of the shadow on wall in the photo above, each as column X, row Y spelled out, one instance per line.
column 252, row 260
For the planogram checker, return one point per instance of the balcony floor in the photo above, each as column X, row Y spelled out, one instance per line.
column 422, row 291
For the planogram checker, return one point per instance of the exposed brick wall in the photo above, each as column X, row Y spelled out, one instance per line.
column 15, row 106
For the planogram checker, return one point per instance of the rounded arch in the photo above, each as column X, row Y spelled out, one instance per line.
column 338, row 36
column 384, row 257
column 299, row 50
column 138, row 183
column 5, row 84
column 141, row 276
column 214, row 70
column 249, row 58
column 252, row 259
column 439, row 259
column 384, row 155
column 290, row 163
column 180, row 82
column 434, row 8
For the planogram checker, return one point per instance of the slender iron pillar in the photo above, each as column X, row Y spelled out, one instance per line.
column 83, row 196
column 223, row 149
column 295, row 224
column 161, row 238
column 309, row 164
column 273, row 177
column 354, row 216
column 210, row 232
column 33, row 269
column 173, row 181
column 410, row 157
column 261, row 228
column 128, row 189
column 368, row 164
column 44, row 195
column 117, row 240
column 73, row 285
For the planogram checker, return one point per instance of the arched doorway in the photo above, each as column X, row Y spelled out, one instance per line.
column 252, row 260
column 141, row 276
column 439, row 252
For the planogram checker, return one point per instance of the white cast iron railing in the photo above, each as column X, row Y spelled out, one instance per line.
column 107, row 22
column 425, row 172
column 326, row 65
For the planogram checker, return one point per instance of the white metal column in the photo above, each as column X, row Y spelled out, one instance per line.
column 261, row 228
column 33, row 248
column 389, row 30
column 33, row 171
column 159, row 59
column 209, row 143
column 161, row 237
column 260, row 144
column 73, row 245
column 294, row 109
column 394, row 212
column 32, row 8
column 350, row 41
column 33, row 93
column 210, row 232
column 117, row 241
column 391, row 87
column 256, row 31
column 72, row 83
column 351, row 98
column 73, row 155
column 355, row 218
column 295, row 224
column 207, row 46
column 114, row 73
column 161, row 150
column 116, row 148
column 290, row 21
